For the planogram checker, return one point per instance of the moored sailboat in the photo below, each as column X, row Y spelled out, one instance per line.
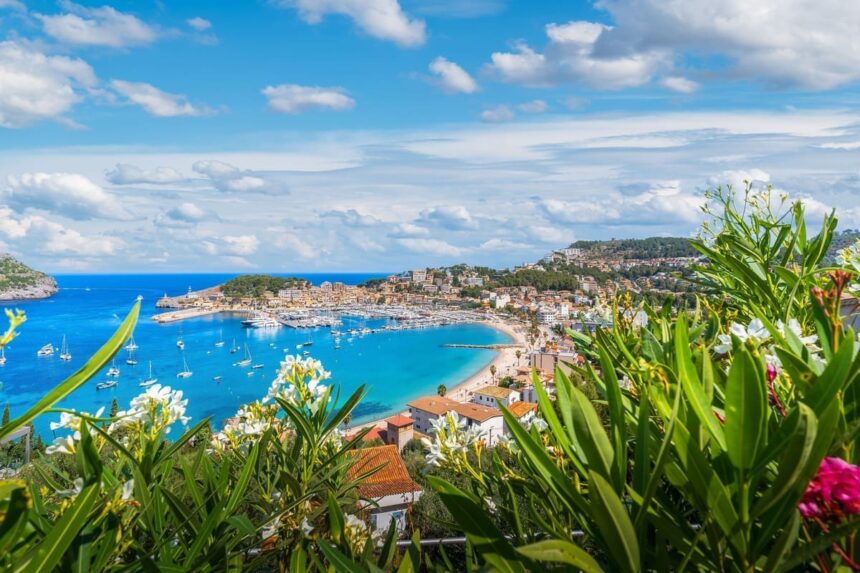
column 65, row 354
column 151, row 379
column 185, row 372
column 245, row 361
column 113, row 371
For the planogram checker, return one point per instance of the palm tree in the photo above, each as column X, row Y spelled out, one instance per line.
column 519, row 354
column 493, row 371
column 442, row 390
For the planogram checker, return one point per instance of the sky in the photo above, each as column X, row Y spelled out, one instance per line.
column 383, row 135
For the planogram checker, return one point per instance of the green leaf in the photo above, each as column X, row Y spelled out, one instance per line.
column 617, row 422
column 561, row 551
column 746, row 410
column 49, row 552
column 340, row 561
column 87, row 371
column 614, row 524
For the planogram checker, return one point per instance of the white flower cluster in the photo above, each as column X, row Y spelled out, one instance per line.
column 299, row 381
column 246, row 427
column 755, row 332
column 758, row 334
column 452, row 439
column 158, row 408
column 78, row 486
column 68, row 421
column 357, row 532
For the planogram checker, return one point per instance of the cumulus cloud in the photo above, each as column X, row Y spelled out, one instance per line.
column 127, row 174
column 534, row 106
column 39, row 236
column 408, row 230
column 680, row 84
column 293, row 98
column 36, row 86
column 103, row 26
column 451, row 78
column 805, row 44
column 295, row 246
column 383, row 19
column 353, row 218
column 156, row 102
column 242, row 244
column 498, row 244
column 188, row 213
column 497, row 114
column 431, row 247
column 452, row 217
column 199, row 24
column 226, row 177
column 572, row 55
column 68, row 194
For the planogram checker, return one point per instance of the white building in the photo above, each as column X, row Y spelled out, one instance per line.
column 502, row 300
column 493, row 395
column 547, row 315
column 391, row 490
column 419, row 275
column 487, row 420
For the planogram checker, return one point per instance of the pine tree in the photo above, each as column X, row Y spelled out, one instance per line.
column 114, row 408
column 6, row 415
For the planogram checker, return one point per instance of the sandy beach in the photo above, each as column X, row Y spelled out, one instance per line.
column 505, row 363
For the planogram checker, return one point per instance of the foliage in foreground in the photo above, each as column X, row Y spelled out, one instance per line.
column 721, row 439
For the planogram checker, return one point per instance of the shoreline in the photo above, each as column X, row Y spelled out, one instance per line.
column 505, row 362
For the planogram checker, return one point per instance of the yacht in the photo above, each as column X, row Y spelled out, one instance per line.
column 106, row 384
column 185, row 373
column 245, row 361
column 308, row 342
column 113, row 371
column 180, row 344
column 220, row 342
column 64, row 350
column 258, row 366
column 132, row 345
column 234, row 349
column 47, row 350
column 217, row 378
column 131, row 360
column 151, row 379
column 306, row 353
column 2, row 356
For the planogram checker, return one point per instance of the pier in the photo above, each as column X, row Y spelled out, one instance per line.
column 175, row 316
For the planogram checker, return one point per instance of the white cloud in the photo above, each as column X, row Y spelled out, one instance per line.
column 353, row 218
column 127, row 174
column 383, row 19
column 227, row 178
column 295, row 246
column 408, row 230
column 804, row 44
column 35, row 86
column 534, row 106
column 451, row 77
column 680, row 84
column 738, row 178
column 431, row 247
column 215, row 169
column 498, row 244
column 12, row 4
column 293, row 98
column 497, row 114
column 37, row 236
column 103, row 26
column 188, row 213
column 453, row 217
column 67, row 194
column 242, row 244
column 244, row 183
column 199, row 24
column 157, row 102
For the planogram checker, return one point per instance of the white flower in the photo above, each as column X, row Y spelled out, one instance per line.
column 62, row 445
column 77, row 487
column 127, row 490
column 755, row 332
column 540, row 424
column 306, row 527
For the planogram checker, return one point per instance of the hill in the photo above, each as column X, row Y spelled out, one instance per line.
column 256, row 286
column 20, row 282
column 650, row 248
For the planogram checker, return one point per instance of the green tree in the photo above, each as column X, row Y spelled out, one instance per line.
column 6, row 414
column 114, row 408
column 493, row 371
column 442, row 390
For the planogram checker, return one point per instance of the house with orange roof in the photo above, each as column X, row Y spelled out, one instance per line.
column 388, row 492
column 488, row 421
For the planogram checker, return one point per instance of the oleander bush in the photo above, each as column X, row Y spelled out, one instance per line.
column 722, row 437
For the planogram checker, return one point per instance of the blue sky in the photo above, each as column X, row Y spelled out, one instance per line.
column 302, row 135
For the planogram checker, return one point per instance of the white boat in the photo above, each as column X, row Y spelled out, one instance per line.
column 113, row 371
column 180, row 344
column 234, row 349
column 245, row 361
column 151, row 380
column 131, row 360
column 47, row 350
column 251, row 373
column 64, row 350
column 217, row 378
column 306, row 353
column 258, row 366
column 132, row 345
column 106, row 384
column 2, row 356
column 185, row 373
column 220, row 342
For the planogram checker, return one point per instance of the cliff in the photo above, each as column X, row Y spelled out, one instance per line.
column 20, row 282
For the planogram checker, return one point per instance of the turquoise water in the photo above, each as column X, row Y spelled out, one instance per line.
column 396, row 366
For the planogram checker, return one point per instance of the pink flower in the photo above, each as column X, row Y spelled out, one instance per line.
column 771, row 372
column 834, row 492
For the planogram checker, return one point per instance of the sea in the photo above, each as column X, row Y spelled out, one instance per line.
column 395, row 366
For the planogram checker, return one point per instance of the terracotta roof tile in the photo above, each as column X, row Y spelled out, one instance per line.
column 400, row 421
column 438, row 406
column 392, row 478
column 520, row 409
